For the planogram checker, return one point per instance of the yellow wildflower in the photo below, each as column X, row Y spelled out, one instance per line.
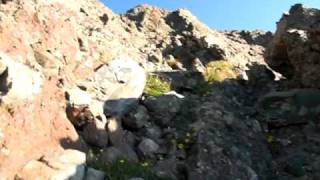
column 145, row 164
column 180, row 146
column 269, row 138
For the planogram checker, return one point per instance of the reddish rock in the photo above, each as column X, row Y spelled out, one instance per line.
column 32, row 128
column 37, row 130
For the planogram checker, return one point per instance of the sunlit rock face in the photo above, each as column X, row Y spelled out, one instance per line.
column 71, row 71
column 294, row 50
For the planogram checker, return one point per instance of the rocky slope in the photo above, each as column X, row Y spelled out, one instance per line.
column 85, row 95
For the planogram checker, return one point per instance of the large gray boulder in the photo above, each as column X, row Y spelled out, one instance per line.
column 148, row 146
column 112, row 90
column 295, row 50
column 137, row 118
column 119, row 84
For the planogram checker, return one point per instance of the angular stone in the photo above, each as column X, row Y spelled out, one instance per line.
column 153, row 132
column 136, row 118
column 77, row 96
column 115, row 131
column 93, row 174
column 3, row 68
column 148, row 146
column 119, row 84
column 68, row 164
column 48, row 62
column 21, row 82
column 163, row 108
column 114, row 153
column 166, row 169
column 95, row 133
column 297, row 106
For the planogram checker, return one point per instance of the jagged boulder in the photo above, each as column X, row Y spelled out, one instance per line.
column 112, row 90
column 257, row 37
column 118, row 84
column 183, row 42
column 284, row 108
column 148, row 18
column 295, row 50
column 226, row 147
column 162, row 109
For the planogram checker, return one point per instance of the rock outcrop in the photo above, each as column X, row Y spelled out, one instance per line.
column 38, row 60
column 72, row 78
column 294, row 50
column 291, row 116
column 54, row 70
column 179, row 40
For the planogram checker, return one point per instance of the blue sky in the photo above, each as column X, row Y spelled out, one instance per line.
column 224, row 14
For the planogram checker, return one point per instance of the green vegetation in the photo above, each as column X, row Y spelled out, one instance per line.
column 218, row 71
column 215, row 71
column 202, row 89
column 185, row 140
column 156, row 86
column 274, row 144
column 124, row 170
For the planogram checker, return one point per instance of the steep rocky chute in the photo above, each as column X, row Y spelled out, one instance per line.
column 72, row 76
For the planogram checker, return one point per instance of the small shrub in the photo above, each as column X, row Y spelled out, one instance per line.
column 218, row 71
column 215, row 71
column 156, row 86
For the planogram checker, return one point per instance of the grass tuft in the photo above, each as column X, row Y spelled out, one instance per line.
column 218, row 71
column 156, row 86
column 215, row 72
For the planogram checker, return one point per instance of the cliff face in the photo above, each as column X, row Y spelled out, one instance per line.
column 72, row 75
column 294, row 50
